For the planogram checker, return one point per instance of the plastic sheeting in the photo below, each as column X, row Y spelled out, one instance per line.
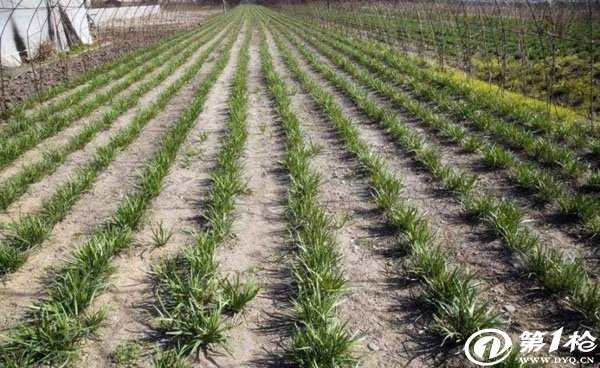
column 25, row 24
column 100, row 15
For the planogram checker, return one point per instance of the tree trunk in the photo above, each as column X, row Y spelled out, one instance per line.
column 328, row 4
column 224, row 6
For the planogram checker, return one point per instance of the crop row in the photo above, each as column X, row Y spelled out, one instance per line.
column 546, row 151
column 191, row 294
column 456, row 38
column 502, row 217
column 319, row 338
column 97, row 76
column 91, row 83
column 562, row 125
column 509, row 53
column 508, row 131
column 56, row 324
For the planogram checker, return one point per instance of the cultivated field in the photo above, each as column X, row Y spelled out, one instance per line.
column 265, row 191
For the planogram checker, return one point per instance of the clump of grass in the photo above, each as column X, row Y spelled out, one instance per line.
column 315, row 149
column 582, row 207
column 169, row 359
column 196, row 329
column 49, row 340
column 45, row 50
column 10, row 258
column 323, row 344
column 27, row 232
column 499, row 158
column 202, row 137
column 127, row 355
column 237, row 293
column 160, row 236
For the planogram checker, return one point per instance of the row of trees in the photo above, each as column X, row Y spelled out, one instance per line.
column 548, row 49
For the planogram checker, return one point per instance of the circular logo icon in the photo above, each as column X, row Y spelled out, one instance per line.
column 488, row 347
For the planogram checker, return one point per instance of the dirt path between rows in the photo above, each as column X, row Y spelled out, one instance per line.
column 260, row 239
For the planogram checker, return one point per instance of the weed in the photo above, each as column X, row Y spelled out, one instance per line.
column 160, row 236
column 314, row 149
column 169, row 359
column 127, row 355
column 499, row 158
column 237, row 293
